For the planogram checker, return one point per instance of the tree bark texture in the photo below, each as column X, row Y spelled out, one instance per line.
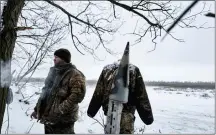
column 8, row 37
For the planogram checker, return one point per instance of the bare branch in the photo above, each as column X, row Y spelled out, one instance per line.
column 76, row 18
column 72, row 36
column 84, row 10
column 183, row 14
column 131, row 9
column 210, row 15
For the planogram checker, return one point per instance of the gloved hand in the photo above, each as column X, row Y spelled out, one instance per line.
column 44, row 121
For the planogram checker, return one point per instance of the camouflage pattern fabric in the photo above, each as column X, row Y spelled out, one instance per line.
column 63, row 106
column 137, row 100
column 59, row 128
column 127, row 123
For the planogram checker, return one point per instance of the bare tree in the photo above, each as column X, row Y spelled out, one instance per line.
column 35, row 27
column 34, row 59
column 8, row 37
column 40, row 45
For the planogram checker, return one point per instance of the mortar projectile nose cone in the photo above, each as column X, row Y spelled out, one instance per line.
column 126, row 51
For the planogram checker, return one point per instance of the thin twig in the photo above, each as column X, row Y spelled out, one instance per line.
column 30, row 128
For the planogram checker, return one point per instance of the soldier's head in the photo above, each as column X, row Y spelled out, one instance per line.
column 62, row 56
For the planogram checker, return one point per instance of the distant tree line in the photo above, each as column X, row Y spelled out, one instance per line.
column 174, row 84
column 186, row 84
column 31, row 79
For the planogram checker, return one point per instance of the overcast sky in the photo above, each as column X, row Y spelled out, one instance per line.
column 192, row 60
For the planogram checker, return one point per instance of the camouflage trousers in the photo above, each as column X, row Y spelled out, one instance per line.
column 127, row 123
column 59, row 128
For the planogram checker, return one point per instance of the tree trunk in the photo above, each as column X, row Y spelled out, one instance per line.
column 8, row 37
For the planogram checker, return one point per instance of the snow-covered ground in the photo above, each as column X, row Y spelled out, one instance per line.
column 174, row 110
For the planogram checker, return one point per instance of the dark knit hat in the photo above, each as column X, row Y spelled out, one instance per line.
column 64, row 54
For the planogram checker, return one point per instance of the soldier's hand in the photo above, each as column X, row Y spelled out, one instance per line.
column 34, row 115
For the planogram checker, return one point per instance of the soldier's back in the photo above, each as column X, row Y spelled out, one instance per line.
column 127, row 117
column 109, row 74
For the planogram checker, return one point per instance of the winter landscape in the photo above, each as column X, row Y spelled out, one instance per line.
column 179, row 72
column 176, row 110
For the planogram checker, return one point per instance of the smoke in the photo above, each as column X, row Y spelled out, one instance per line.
column 5, row 73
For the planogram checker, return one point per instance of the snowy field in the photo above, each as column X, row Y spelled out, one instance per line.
column 175, row 111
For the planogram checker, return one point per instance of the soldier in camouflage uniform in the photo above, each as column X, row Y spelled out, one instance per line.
column 137, row 100
column 57, row 107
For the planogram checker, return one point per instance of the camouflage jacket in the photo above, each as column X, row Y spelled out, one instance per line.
column 137, row 100
column 61, row 104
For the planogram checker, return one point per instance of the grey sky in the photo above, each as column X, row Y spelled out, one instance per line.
column 192, row 60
